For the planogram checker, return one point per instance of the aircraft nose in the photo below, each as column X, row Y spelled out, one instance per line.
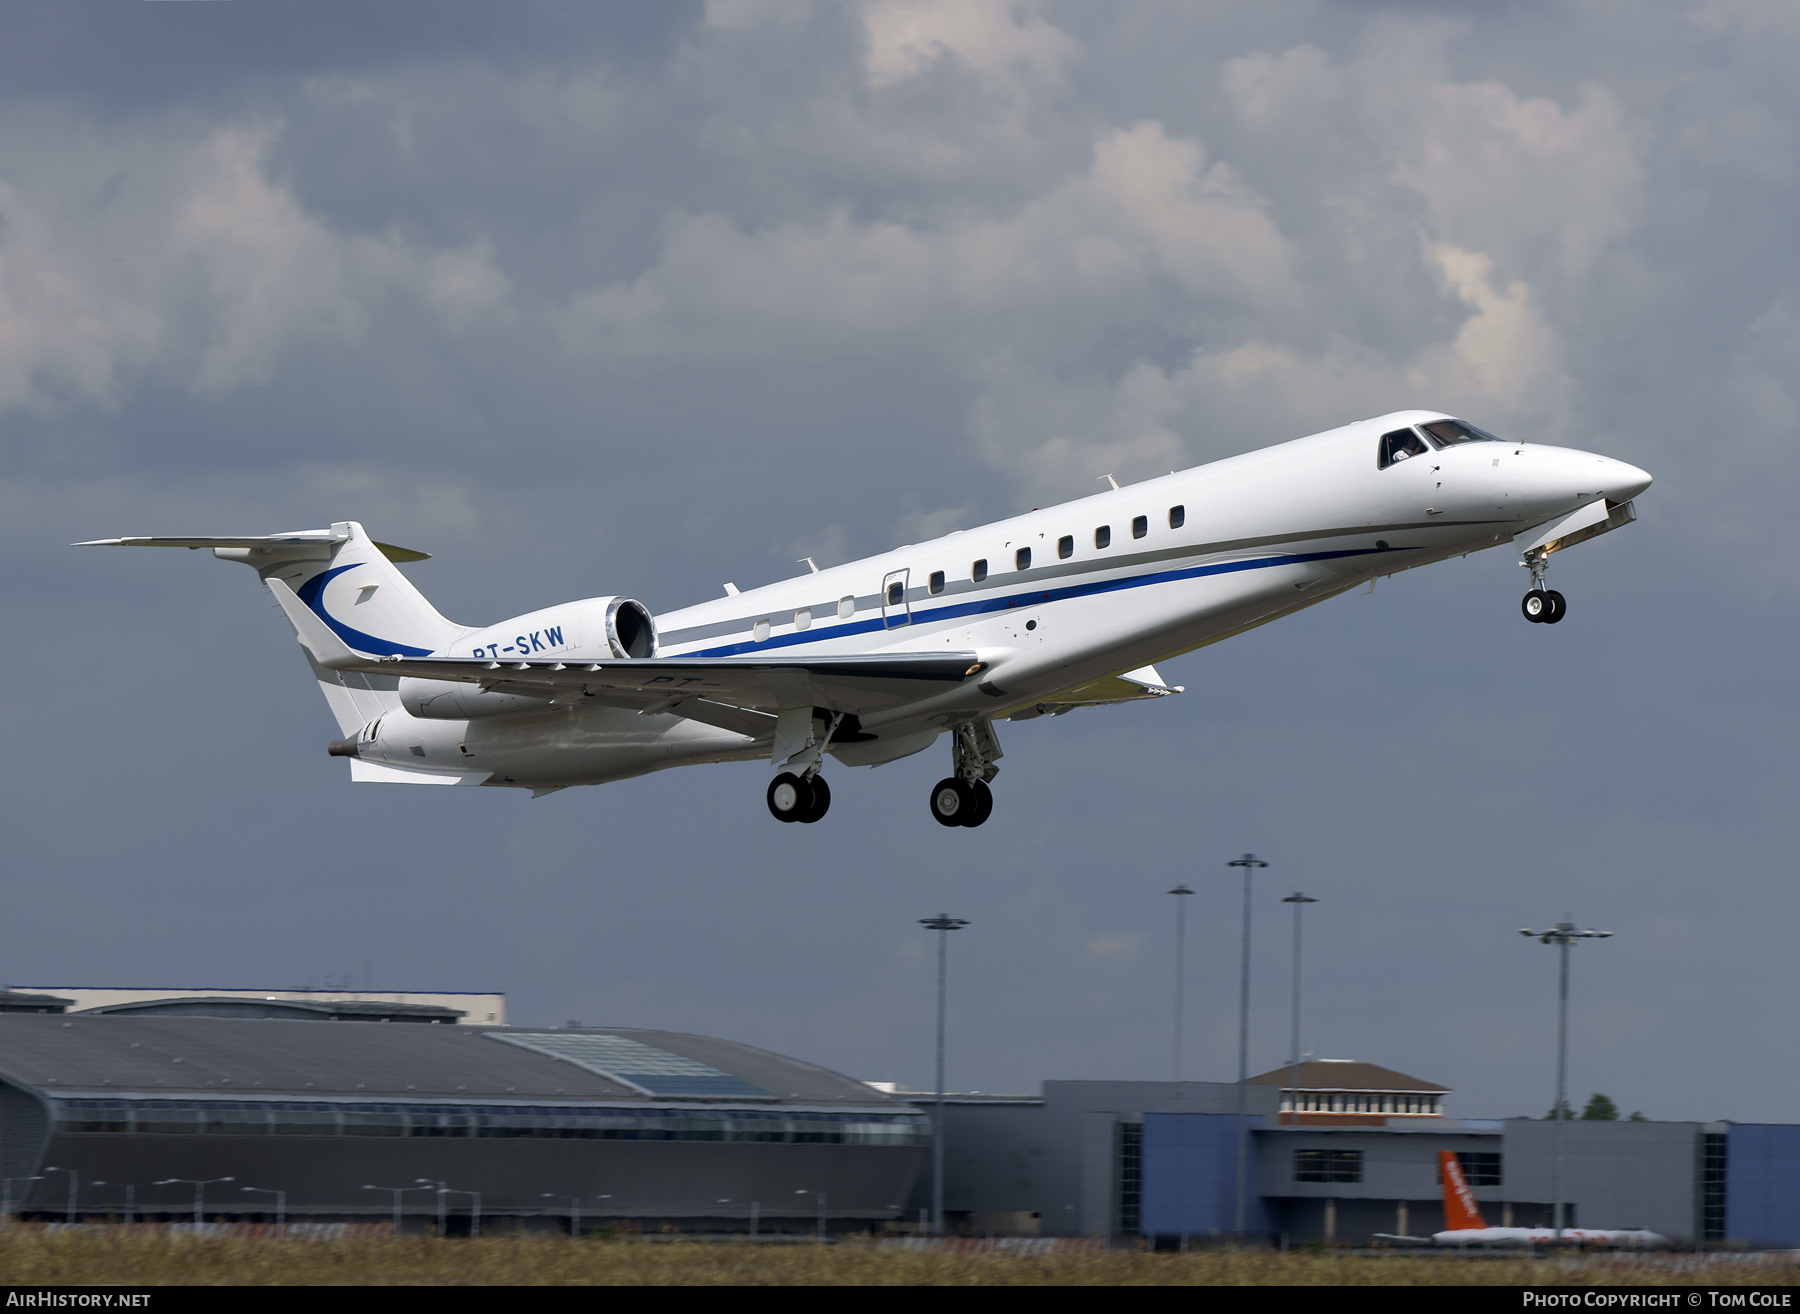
column 1624, row 482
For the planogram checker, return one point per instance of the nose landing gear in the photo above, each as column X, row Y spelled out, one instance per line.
column 1541, row 606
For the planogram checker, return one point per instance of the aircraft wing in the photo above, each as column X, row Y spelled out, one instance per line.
column 849, row 683
column 1131, row 687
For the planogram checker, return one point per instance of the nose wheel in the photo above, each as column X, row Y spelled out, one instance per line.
column 795, row 798
column 1543, row 606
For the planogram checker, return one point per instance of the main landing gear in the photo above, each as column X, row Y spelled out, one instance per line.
column 795, row 798
column 964, row 799
column 961, row 803
column 1541, row 606
column 801, row 794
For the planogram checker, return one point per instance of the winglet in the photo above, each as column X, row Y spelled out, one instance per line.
column 1461, row 1213
column 315, row 636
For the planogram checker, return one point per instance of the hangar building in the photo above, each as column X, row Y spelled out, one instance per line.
column 648, row 1126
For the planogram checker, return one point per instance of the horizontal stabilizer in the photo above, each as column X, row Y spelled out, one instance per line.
column 267, row 542
column 1416, row 1240
column 300, row 538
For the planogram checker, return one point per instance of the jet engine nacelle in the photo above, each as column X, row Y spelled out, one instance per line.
column 591, row 630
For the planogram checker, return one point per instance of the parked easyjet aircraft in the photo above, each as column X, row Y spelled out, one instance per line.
column 1464, row 1227
column 1064, row 607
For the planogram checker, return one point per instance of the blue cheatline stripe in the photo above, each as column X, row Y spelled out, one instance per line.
column 1034, row 596
column 312, row 593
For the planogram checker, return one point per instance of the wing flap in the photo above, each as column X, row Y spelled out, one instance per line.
column 855, row 683
column 1131, row 687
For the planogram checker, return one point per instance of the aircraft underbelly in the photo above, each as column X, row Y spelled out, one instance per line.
column 591, row 745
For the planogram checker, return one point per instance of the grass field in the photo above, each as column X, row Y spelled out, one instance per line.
column 109, row 1257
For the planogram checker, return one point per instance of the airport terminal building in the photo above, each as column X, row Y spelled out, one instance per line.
column 648, row 1127
column 1157, row 1160
column 340, row 1104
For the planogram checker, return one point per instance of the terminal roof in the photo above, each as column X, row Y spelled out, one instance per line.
column 1346, row 1075
column 216, row 1058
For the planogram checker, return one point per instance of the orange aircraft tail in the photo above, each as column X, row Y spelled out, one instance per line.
column 1460, row 1210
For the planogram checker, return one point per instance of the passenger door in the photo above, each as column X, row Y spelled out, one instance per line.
column 896, row 608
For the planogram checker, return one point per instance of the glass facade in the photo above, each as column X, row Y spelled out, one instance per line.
column 1361, row 1101
column 1328, row 1165
column 1713, row 1161
column 1479, row 1168
column 1131, row 1178
column 85, row 1117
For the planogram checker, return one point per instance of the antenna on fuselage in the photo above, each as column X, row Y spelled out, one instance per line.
column 1109, row 479
column 809, row 561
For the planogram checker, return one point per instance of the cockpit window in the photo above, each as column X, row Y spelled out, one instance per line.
column 1400, row 445
column 1447, row 433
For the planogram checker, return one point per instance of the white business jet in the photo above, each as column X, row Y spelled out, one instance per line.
column 1463, row 1225
column 1064, row 607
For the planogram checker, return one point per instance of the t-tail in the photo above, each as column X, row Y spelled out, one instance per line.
column 1461, row 1213
column 351, row 583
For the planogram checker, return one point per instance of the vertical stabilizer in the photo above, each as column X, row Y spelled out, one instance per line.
column 349, row 581
column 353, row 587
column 1461, row 1213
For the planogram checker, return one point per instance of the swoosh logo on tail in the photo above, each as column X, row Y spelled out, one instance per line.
column 312, row 593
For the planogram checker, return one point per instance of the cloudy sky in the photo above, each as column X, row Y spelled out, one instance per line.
column 638, row 298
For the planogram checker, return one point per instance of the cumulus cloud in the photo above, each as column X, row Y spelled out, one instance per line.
column 1460, row 220
column 998, row 39
column 187, row 260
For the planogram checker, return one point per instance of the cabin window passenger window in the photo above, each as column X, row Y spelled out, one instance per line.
column 1065, row 546
column 1022, row 559
column 978, row 571
column 1177, row 517
column 936, row 583
column 762, row 630
column 896, row 593
column 1140, row 525
column 846, row 608
column 803, row 619
column 1400, row 445
column 1103, row 536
